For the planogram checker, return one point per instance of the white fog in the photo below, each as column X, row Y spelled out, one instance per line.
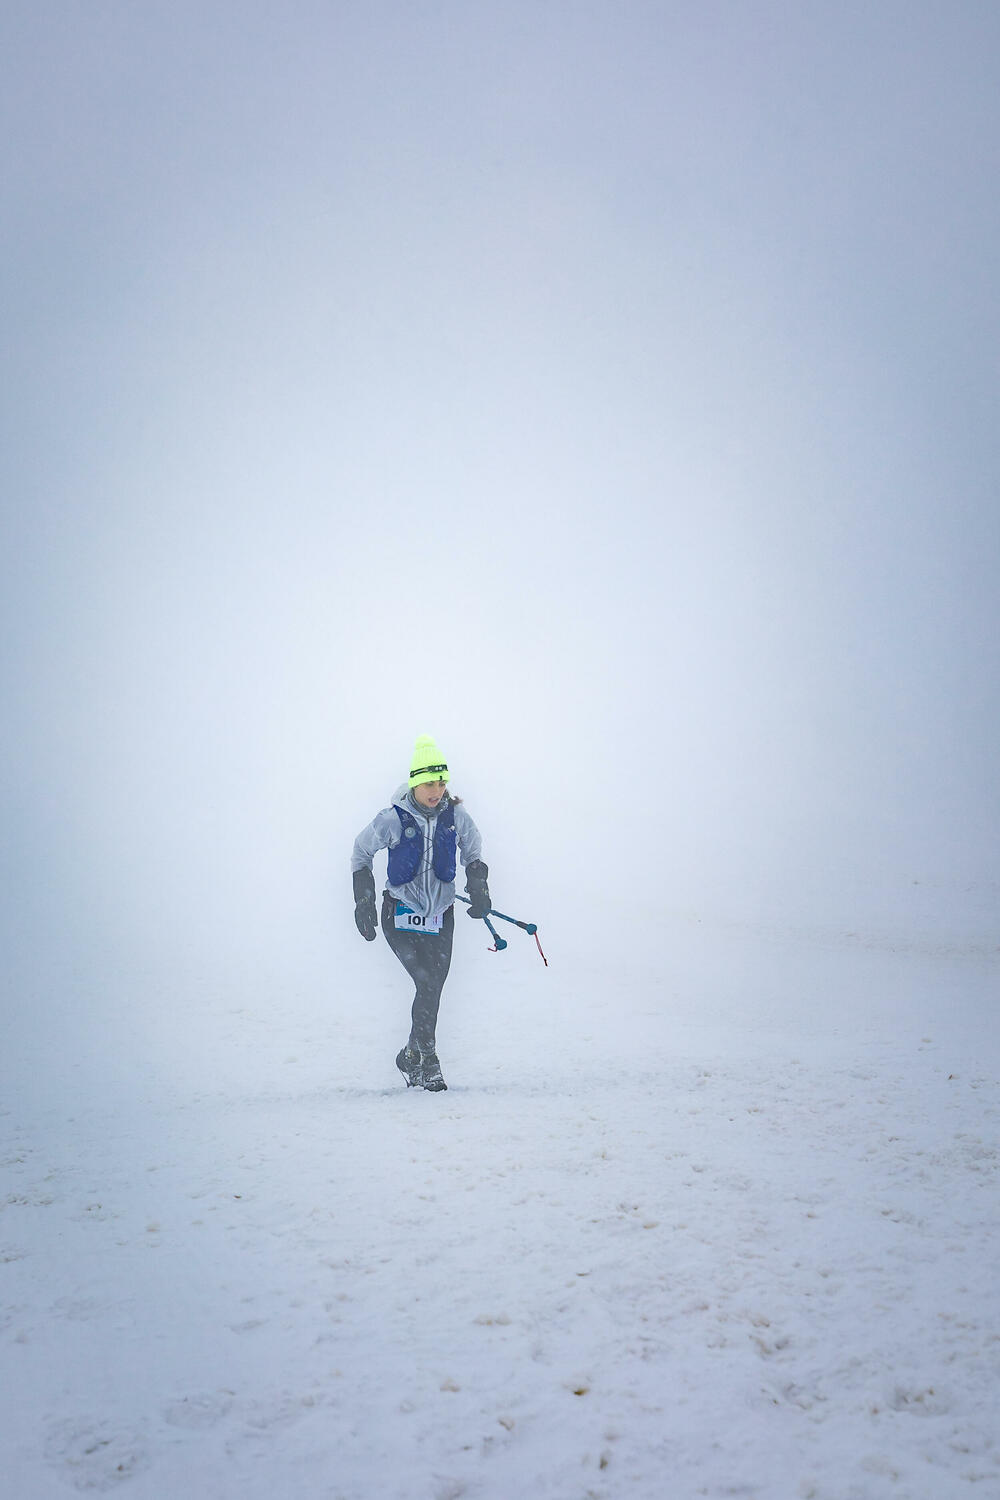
column 609, row 391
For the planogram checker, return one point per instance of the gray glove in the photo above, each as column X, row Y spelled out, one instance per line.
column 364, row 904
column 479, row 891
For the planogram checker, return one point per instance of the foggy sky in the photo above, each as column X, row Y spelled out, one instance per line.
column 607, row 389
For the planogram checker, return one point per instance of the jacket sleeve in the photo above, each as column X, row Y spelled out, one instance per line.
column 470, row 842
column 382, row 831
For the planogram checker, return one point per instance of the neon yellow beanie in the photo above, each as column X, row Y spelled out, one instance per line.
column 428, row 764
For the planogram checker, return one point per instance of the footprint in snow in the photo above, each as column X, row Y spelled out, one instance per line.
column 198, row 1411
column 279, row 1411
column 77, row 1309
column 920, row 1401
column 248, row 1326
column 94, row 1455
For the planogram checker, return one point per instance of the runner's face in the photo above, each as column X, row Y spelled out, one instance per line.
column 429, row 793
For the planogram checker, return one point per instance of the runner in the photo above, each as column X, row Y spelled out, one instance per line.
column 425, row 828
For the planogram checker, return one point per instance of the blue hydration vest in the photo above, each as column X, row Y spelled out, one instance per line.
column 406, row 857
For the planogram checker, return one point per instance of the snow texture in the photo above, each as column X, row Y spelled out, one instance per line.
column 722, row 1227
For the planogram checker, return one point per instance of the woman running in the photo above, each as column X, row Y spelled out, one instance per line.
column 425, row 829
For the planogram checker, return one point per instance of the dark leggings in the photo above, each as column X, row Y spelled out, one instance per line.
column 426, row 957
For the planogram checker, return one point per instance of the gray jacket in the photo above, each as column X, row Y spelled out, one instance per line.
column 425, row 893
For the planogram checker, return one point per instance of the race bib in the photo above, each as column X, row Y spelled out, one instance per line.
column 408, row 920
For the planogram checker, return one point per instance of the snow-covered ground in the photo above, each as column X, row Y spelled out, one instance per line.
column 724, row 1224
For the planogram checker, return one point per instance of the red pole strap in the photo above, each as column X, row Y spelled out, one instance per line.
column 544, row 959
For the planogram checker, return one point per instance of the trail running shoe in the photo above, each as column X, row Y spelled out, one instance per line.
column 408, row 1063
column 430, row 1073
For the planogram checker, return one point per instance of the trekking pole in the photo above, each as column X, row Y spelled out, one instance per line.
column 500, row 942
column 530, row 928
